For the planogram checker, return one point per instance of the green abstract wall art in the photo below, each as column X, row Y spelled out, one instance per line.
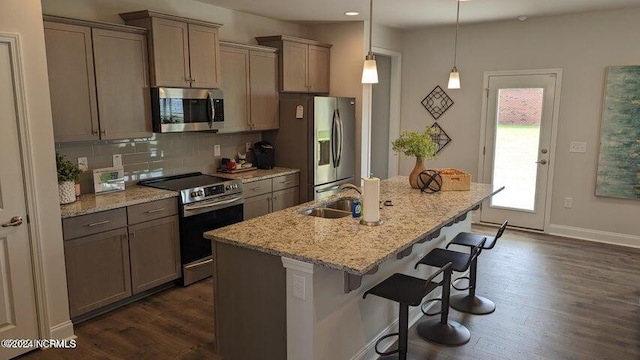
column 619, row 161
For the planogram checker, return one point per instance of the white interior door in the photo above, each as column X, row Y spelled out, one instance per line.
column 17, row 302
column 517, row 147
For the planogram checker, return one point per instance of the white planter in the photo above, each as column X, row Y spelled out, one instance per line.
column 67, row 192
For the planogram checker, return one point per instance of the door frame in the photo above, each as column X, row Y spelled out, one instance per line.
column 554, row 130
column 394, row 114
column 28, row 169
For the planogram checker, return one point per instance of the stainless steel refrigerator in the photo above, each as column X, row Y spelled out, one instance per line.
column 317, row 135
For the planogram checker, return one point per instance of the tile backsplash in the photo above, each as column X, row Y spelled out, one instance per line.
column 158, row 155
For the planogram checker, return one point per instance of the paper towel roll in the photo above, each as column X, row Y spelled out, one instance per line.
column 371, row 200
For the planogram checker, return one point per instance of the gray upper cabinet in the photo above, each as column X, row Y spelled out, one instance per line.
column 184, row 52
column 303, row 65
column 98, row 80
column 71, row 82
column 250, row 85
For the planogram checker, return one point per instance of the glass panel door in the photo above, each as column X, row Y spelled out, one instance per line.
column 517, row 147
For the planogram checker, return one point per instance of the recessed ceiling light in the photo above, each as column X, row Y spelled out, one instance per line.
column 352, row 13
column 522, row 18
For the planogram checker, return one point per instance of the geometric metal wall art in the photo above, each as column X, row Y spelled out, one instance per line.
column 437, row 102
column 440, row 137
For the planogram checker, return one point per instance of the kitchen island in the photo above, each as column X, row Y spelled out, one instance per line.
column 289, row 285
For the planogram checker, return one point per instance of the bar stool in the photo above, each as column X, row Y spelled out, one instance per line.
column 407, row 291
column 471, row 303
column 445, row 331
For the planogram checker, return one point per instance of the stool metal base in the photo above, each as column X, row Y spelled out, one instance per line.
column 451, row 333
column 476, row 305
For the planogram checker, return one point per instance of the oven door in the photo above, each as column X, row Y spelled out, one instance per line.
column 181, row 110
column 196, row 219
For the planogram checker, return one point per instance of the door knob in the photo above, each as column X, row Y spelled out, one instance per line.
column 542, row 162
column 15, row 221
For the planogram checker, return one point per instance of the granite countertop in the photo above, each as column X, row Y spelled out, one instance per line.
column 132, row 195
column 343, row 244
column 259, row 174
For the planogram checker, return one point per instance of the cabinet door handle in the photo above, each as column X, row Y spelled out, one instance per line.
column 154, row 211
column 132, row 234
column 99, row 223
column 103, row 132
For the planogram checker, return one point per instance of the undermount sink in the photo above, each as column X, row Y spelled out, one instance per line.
column 341, row 204
column 333, row 210
column 326, row 213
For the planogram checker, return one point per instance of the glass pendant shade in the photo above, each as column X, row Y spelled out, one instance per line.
column 454, row 79
column 370, row 72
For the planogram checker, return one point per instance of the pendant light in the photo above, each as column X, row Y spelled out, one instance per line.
column 370, row 70
column 454, row 76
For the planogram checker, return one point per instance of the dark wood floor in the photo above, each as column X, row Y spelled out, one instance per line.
column 556, row 299
column 174, row 324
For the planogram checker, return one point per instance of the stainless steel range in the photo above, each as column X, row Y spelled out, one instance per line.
column 206, row 203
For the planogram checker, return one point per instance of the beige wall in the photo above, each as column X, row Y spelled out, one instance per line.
column 25, row 18
column 582, row 45
column 386, row 38
column 238, row 26
column 347, row 58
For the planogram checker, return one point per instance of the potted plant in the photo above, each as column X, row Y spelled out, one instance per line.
column 68, row 174
column 418, row 144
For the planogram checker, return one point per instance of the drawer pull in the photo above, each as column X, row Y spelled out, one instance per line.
column 99, row 223
column 154, row 211
column 256, row 188
column 286, row 182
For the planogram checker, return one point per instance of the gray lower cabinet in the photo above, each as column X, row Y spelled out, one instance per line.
column 155, row 253
column 265, row 196
column 112, row 255
column 97, row 270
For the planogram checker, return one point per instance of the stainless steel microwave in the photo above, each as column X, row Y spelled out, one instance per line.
column 181, row 110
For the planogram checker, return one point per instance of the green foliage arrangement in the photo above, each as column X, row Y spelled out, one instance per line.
column 67, row 171
column 418, row 144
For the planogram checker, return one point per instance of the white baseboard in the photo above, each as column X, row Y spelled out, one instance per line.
column 595, row 235
column 368, row 352
column 63, row 331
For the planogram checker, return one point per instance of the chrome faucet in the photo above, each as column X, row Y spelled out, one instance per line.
column 350, row 186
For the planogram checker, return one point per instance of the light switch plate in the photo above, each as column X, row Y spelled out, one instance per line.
column 117, row 160
column 216, row 150
column 578, row 147
column 247, row 146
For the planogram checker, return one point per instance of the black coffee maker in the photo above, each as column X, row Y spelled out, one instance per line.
column 263, row 155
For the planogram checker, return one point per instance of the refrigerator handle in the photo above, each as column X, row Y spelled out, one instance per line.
column 340, row 138
column 334, row 139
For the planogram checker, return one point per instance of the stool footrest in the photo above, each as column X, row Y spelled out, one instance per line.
column 451, row 333
column 386, row 352
column 427, row 302
column 462, row 288
column 476, row 305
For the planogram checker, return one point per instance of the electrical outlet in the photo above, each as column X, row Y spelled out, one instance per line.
column 83, row 164
column 578, row 147
column 298, row 287
column 216, row 150
column 248, row 146
column 117, row 160
column 568, row 203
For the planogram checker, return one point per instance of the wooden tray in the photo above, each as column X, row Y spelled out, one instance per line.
column 454, row 180
column 237, row 170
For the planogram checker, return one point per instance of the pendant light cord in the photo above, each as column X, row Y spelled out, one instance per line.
column 370, row 28
column 455, row 46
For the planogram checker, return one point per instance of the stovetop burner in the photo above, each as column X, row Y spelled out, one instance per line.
column 194, row 187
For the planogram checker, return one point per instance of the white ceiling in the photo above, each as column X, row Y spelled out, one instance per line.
column 405, row 14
